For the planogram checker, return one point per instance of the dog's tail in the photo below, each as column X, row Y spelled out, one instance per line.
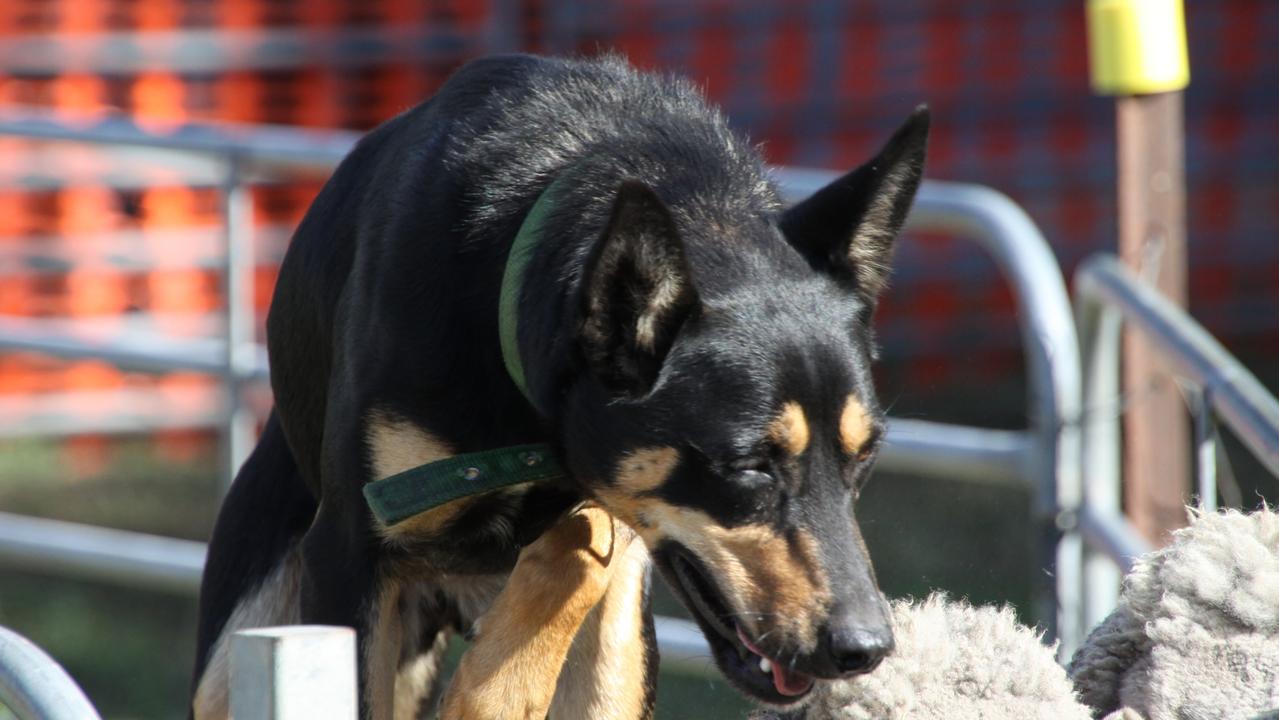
column 266, row 511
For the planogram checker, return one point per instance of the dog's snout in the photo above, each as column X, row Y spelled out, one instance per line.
column 858, row 650
column 853, row 641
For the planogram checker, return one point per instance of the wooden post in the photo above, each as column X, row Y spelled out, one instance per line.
column 299, row 672
column 1137, row 52
column 1152, row 242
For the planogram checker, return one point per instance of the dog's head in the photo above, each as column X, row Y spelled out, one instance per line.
column 728, row 413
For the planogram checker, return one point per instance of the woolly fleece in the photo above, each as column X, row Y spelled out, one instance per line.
column 952, row 662
column 1196, row 633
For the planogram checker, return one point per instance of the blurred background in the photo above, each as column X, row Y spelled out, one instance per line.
column 103, row 242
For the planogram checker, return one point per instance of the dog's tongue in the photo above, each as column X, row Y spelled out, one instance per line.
column 787, row 682
column 790, row 683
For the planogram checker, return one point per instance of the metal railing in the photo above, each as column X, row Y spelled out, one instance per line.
column 1107, row 297
column 33, row 685
column 1045, row 456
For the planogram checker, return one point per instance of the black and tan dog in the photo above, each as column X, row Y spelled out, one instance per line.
column 697, row 355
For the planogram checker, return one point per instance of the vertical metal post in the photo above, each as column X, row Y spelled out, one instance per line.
column 1205, row 451
column 300, row 672
column 240, row 430
column 1099, row 338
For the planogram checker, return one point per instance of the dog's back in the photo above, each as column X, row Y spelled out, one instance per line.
column 455, row 177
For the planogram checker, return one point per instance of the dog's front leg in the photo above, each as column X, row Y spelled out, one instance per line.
column 611, row 672
column 511, row 670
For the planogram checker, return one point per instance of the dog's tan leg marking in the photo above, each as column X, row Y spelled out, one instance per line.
column 382, row 653
column 605, row 675
column 789, row 430
column 395, row 445
column 511, row 670
column 274, row 602
column 855, row 426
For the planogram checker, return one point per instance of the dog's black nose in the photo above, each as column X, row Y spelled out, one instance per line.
column 855, row 638
column 856, row 650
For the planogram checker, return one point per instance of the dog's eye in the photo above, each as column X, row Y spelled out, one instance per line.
column 757, row 461
column 753, row 479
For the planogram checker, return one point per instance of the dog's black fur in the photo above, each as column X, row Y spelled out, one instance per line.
column 671, row 304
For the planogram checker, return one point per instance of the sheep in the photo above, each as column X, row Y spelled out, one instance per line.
column 1195, row 636
column 1196, row 632
column 954, row 662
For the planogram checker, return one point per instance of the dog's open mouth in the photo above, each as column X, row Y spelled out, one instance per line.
column 740, row 658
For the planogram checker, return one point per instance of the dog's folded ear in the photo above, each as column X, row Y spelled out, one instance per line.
column 847, row 228
column 637, row 291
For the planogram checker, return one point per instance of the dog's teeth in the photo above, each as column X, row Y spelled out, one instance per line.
column 765, row 666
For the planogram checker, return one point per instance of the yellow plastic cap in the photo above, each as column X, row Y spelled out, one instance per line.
column 1137, row 47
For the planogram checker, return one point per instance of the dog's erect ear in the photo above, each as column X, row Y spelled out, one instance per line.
column 847, row 228
column 637, row 292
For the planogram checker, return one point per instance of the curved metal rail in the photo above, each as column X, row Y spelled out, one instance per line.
column 35, row 687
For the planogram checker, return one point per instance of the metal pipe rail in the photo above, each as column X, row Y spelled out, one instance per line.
column 142, row 352
column 269, row 148
column 1104, row 286
column 96, row 553
column 1045, row 455
column 1108, row 296
column 175, row 566
column 219, row 50
column 35, row 687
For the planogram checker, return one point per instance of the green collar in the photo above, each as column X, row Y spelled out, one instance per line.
column 426, row 487
column 508, row 306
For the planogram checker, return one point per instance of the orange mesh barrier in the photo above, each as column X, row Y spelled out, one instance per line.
column 156, row 14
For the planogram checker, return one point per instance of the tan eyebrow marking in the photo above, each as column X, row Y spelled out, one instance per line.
column 789, row 430
column 855, row 426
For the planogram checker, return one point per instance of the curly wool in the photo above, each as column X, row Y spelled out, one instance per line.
column 1196, row 634
column 953, row 661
